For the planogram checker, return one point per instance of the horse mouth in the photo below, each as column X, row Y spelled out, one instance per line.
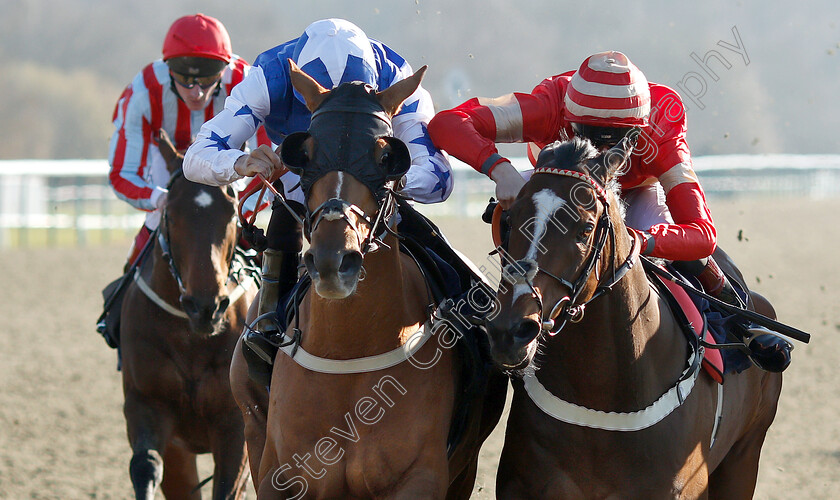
column 334, row 287
column 515, row 362
column 207, row 328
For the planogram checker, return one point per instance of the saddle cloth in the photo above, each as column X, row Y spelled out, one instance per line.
column 703, row 317
column 712, row 359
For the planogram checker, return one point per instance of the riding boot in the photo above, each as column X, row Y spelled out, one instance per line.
column 108, row 323
column 768, row 350
column 280, row 264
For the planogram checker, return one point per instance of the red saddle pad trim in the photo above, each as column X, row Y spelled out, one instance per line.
column 712, row 360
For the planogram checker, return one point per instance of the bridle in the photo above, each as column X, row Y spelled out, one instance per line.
column 568, row 309
column 166, row 248
column 381, row 223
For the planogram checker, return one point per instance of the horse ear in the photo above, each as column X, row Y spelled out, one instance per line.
column 617, row 156
column 168, row 151
column 395, row 158
column 392, row 98
column 312, row 91
column 293, row 152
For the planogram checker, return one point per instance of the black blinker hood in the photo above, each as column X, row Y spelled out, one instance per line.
column 345, row 128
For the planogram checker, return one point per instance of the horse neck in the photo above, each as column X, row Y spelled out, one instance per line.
column 625, row 352
column 385, row 310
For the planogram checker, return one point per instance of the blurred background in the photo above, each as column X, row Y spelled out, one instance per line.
column 757, row 78
column 65, row 62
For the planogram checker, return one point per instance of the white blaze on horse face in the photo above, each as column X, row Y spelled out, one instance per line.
column 203, row 199
column 339, row 184
column 546, row 203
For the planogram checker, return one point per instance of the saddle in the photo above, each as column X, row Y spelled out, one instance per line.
column 696, row 317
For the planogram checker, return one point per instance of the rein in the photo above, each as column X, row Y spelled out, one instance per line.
column 567, row 309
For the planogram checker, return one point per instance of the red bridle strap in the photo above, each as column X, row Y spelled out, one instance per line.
column 577, row 175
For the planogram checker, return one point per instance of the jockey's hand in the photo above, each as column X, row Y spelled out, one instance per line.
column 158, row 197
column 646, row 240
column 508, row 183
column 262, row 160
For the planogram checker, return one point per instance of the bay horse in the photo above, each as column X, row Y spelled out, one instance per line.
column 363, row 392
column 610, row 401
column 180, row 320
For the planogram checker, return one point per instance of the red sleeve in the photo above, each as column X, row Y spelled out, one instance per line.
column 467, row 132
column 470, row 131
column 666, row 156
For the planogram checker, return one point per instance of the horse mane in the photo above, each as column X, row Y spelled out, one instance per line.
column 573, row 154
column 568, row 154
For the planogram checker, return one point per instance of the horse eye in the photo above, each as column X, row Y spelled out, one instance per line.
column 585, row 231
column 384, row 158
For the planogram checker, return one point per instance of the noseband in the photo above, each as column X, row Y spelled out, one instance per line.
column 567, row 309
column 336, row 208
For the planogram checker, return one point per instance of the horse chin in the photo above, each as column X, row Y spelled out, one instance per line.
column 515, row 361
column 205, row 328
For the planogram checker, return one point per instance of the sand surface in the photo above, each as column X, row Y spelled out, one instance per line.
column 62, row 433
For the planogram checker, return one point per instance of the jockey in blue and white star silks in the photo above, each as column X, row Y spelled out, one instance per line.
column 332, row 51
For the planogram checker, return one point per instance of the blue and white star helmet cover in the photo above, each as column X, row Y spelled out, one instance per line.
column 334, row 51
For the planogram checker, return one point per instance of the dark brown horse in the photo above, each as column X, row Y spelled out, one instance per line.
column 362, row 400
column 612, row 403
column 180, row 320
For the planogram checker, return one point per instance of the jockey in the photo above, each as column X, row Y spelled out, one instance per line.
column 331, row 51
column 177, row 94
column 602, row 101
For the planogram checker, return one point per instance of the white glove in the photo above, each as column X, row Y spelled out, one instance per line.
column 508, row 183
column 158, row 197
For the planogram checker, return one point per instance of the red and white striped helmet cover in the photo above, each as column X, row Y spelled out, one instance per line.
column 608, row 90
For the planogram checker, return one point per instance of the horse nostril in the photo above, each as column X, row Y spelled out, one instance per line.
column 526, row 331
column 223, row 305
column 350, row 263
column 188, row 305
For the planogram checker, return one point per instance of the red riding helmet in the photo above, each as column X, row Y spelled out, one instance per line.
column 196, row 37
column 608, row 91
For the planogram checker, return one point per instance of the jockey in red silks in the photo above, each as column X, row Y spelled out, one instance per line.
column 177, row 94
column 606, row 98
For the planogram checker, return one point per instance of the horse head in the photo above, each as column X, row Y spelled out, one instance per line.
column 565, row 225
column 347, row 161
column 198, row 235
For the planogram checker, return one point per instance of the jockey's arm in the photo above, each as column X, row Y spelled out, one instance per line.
column 470, row 131
column 215, row 158
column 129, row 151
column 429, row 179
column 692, row 235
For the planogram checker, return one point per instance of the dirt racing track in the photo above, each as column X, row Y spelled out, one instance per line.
column 62, row 433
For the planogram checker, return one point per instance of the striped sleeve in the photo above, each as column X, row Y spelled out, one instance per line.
column 128, row 151
column 471, row 130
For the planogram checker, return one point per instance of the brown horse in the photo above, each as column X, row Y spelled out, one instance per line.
column 180, row 320
column 362, row 400
column 612, row 403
